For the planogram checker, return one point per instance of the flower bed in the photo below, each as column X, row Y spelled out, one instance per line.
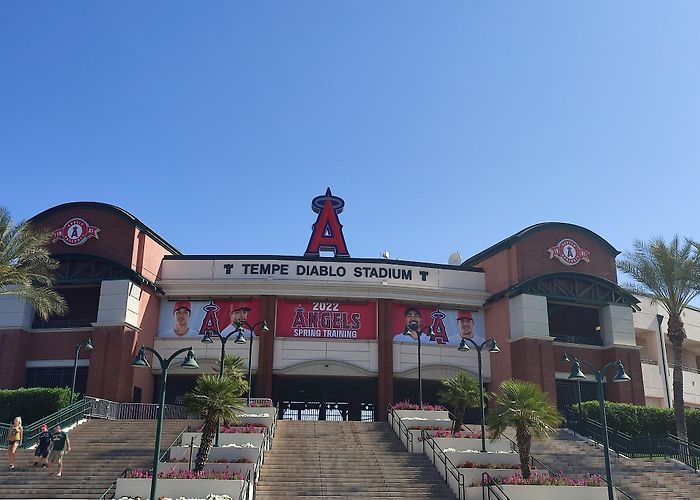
column 210, row 496
column 245, row 429
column 146, row 474
column 407, row 405
column 240, row 468
column 546, row 487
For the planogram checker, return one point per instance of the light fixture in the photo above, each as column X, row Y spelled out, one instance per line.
column 207, row 339
column 620, row 375
column 240, row 339
column 463, row 346
column 576, row 373
column 494, row 347
column 88, row 344
column 190, row 360
column 140, row 360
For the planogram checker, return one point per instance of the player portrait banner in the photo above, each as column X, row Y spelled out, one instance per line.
column 192, row 318
column 449, row 325
column 326, row 320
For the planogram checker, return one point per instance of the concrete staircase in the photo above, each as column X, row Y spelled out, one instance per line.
column 334, row 460
column 657, row 479
column 101, row 450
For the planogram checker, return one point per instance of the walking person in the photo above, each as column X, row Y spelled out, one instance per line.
column 42, row 447
column 59, row 440
column 14, row 439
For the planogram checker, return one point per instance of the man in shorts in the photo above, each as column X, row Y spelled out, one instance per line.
column 60, row 440
column 42, row 447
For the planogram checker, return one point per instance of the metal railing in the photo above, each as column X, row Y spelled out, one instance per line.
column 491, row 489
column 112, row 488
column 65, row 417
column 403, row 429
column 573, row 339
column 450, row 468
column 112, row 410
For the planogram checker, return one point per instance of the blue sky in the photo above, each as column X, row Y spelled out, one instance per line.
column 444, row 125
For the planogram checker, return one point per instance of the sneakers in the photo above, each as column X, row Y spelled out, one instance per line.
column 44, row 466
column 12, row 466
column 58, row 475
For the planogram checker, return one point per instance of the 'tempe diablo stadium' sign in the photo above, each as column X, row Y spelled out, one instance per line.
column 326, row 320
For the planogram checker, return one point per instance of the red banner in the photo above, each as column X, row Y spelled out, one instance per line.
column 326, row 320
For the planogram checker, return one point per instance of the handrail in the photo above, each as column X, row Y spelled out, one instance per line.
column 176, row 442
column 456, row 474
column 112, row 486
column 64, row 417
column 488, row 485
column 402, row 428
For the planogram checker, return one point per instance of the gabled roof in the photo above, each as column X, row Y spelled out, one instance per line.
column 529, row 231
column 120, row 212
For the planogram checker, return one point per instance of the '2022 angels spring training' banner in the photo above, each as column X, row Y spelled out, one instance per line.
column 186, row 319
column 449, row 325
column 326, row 320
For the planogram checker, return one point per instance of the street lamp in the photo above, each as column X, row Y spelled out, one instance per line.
column 263, row 328
column 240, row 339
column 87, row 344
column 493, row 348
column 140, row 361
column 620, row 376
column 412, row 328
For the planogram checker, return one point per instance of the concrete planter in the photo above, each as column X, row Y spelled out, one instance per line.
column 472, row 475
column 548, row 492
column 217, row 453
column 459, row 457
column 420, row 418
column 174, row 488
column 226, row 438
column 258, row 416
column 241, row 468
column 461, row 444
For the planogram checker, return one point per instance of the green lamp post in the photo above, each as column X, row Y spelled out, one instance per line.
column 493, row 348
column 263, row 328
column 140, row 361
column 620, row 376
column 411, row 329
column 87, row 344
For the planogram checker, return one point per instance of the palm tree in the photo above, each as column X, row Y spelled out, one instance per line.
column 525, row 406
column 26, row 267
column 460, row 392
column 215, row 398
column 669, row 274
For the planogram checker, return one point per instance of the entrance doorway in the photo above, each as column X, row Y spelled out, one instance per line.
column 328, row 398
column 568, row 390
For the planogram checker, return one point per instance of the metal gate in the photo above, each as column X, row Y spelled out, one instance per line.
column 567, row 393
column 328, row 398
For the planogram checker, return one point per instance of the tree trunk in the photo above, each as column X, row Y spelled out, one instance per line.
column 208, row 433
column 459, row 419
column 676, row 334
column 524, row 440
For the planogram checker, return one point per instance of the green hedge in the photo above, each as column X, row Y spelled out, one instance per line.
column 32, row 404
column 643, row 420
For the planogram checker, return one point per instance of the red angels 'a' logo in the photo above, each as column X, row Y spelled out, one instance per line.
column 569, row 252
column 75, row 232
column 327, row 232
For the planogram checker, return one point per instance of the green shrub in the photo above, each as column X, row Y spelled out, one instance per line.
column 32, row 404
column 643, row 420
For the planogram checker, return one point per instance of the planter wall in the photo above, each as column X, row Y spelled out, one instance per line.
column 458, row 457
column 461, row 444
column 226, row 438
column 217, row 453
column 174, row 488
column 548, row 492
column 258, row 416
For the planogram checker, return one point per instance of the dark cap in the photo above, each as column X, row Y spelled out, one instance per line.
column 182, row 304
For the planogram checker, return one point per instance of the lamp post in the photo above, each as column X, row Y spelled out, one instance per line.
column 141, row 362
column 87, row 344
column 620, row 376
column 413, row 328
column 263, row 328
column 240, row 339
column 464, row 346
